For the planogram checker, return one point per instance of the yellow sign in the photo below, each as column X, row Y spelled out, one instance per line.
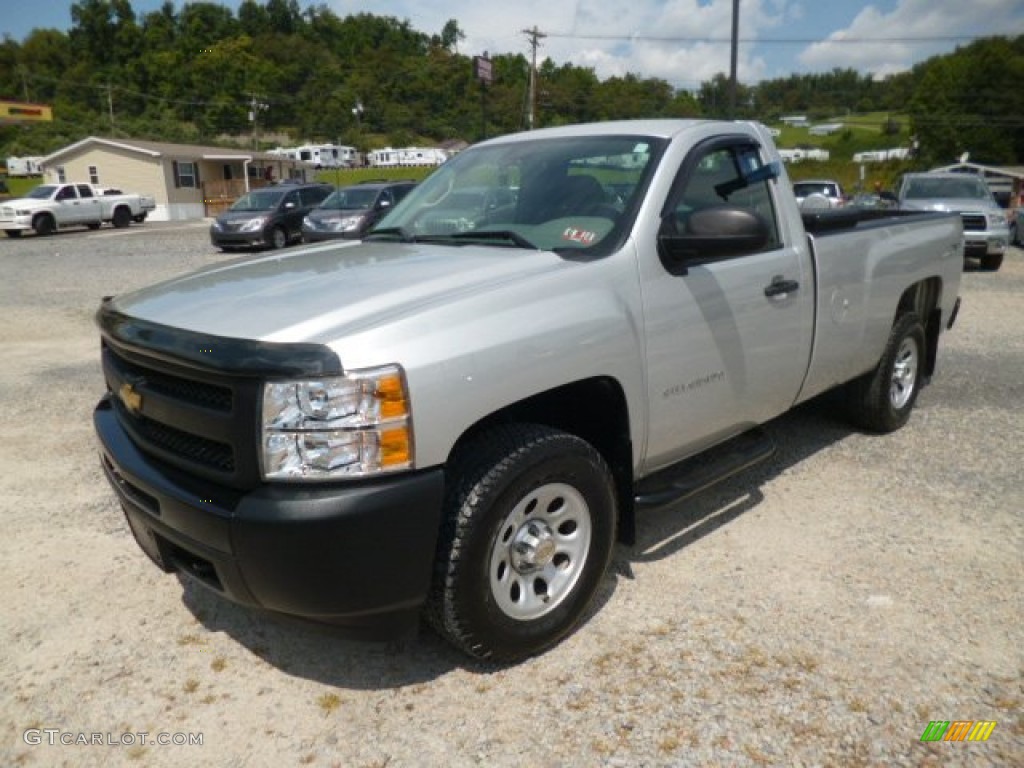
column 23, row 112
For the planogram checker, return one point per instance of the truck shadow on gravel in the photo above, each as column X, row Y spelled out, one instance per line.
column 332, row 657
column 798, row 435
column 323, row 653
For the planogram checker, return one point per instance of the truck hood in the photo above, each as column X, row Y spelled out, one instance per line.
column 322, row 293
column 947, row 204
column 24, row 203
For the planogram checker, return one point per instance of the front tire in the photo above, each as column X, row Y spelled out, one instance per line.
column 881, row 401
column 278, row 238
column 991, row 262
column 44, row 225
column 530, row 517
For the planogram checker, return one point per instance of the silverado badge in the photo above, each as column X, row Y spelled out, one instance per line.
column 132, row 400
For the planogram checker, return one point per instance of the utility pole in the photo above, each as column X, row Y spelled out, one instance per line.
column 535, row 36
column 735, row 56
column 255, row 105
column 110, row 106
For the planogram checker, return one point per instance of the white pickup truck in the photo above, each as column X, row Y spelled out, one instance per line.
column 50, row 207
column 459, row 416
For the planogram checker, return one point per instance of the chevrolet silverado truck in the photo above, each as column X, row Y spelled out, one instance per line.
column 50, row 207
column 460, row 416
column 986, row 230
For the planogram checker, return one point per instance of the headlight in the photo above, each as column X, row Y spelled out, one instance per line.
column 22, row 213
column 215, row 226
column 996, row 220
column 349, row 223
column 336, row 426
column 253, row 225
column 341, row 223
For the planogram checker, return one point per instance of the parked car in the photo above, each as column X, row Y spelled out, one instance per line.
column 268, row 217
column 350, row 212
column 986, row 233
column 831, row 191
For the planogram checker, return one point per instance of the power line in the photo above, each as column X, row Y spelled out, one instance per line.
column 767, row 40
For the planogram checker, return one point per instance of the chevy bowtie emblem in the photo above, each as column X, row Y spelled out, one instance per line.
column 132, row 400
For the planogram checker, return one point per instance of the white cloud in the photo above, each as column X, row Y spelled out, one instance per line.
column 615, row 37
column 908, row 20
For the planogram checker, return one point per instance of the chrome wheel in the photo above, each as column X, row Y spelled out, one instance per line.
column 278, row 238
column 540, row 551
column 904, row 373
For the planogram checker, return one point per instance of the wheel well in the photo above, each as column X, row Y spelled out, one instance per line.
column 923, row 299
column 594, row 410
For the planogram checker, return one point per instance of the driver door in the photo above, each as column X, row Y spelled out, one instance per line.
column 726, row 348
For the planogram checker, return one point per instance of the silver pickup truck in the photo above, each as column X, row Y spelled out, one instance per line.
column 460, row 416
column 986, row 231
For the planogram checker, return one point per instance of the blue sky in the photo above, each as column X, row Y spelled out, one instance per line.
column 678, row 40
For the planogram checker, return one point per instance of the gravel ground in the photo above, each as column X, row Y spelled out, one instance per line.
column 819, row 610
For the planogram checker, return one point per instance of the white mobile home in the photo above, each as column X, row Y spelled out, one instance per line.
column 24, row 166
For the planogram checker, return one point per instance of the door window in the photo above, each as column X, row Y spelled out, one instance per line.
column 731, row 175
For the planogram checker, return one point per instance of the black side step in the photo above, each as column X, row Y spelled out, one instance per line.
column 700, row 472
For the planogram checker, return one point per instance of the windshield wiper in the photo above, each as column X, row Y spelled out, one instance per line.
column 387, row 232
column 505, row 236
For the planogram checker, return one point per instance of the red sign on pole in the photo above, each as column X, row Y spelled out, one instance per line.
column 482, row 69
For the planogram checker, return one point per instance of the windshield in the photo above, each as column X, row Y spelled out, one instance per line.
column 43, row 192
column 259, row 200
column 806, row 188
column 924, row 189
column 548, row 193
column 350, row 198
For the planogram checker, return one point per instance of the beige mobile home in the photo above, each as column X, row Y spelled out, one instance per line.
column 187, row 181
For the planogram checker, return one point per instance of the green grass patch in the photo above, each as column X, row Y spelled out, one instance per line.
column 343, row 177
column 19, row 186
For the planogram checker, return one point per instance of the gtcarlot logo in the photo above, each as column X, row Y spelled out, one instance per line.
column 57, row 737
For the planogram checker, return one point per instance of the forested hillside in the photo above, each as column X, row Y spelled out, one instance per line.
column 203, row 73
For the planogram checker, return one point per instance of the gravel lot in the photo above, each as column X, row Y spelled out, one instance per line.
column 819, row 610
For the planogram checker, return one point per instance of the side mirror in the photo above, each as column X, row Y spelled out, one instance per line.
column 712, row 234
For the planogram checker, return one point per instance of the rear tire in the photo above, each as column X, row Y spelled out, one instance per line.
column 528, row 533
column 881, row 401
column 122, row 217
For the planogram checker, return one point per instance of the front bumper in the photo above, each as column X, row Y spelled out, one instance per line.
column 20, row 223
column 354, row 554
column 990, row 243
column 238, row 239
column 310, row 235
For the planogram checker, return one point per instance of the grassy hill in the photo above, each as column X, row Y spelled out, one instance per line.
column 860, row 133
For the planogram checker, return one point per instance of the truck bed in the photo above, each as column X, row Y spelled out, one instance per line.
column 864, row 261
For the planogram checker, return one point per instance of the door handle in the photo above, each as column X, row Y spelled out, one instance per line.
column 780, row 286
